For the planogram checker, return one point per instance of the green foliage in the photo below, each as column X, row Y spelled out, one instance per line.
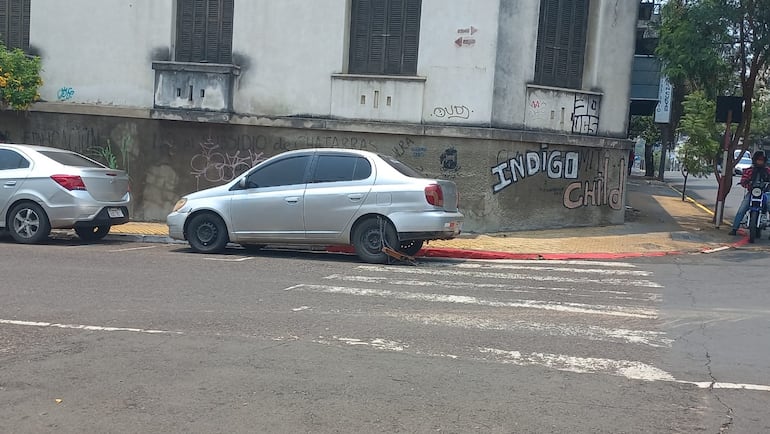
column 694, row 45
column 702, row 144
column 760, row 121
column 645, row 127
column 107, row 156
column 19, row 79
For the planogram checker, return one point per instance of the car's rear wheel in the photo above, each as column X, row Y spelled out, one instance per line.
column 411, row 247
column 28, row 223
column 92, row 233
column 207, row 233
column 369, row 238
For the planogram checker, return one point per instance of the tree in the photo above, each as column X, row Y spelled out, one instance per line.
column 720, row 47
column 19, row 79
column 702, row 143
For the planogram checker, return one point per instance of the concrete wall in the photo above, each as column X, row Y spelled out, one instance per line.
column 507, row 180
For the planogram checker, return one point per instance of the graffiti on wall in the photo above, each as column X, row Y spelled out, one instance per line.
column 555, row 164
column 585, row 117
column 66, row 94
column 450, row 165
column 212, row 165
column 598, row 191
column 452, row 112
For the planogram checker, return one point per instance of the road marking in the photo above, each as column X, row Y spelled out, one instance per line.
column 631, row 370
column 508, row 276
column 620, row 311
column 717, row 250
column 300, row 309
column 582, row 365
column 557, row 269
column 131, row 249
column 86, row 327
column 590, row 332
column 227, row 260
column 522, row 289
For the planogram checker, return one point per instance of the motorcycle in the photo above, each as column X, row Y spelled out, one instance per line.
column 758, row 217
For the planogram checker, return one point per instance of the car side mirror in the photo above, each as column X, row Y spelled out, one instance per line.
column 242, row 183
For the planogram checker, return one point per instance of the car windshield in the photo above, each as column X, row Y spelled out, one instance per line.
column 401, row 167
column 70, row 159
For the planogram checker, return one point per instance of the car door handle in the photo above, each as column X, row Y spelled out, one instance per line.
column 10, row 183
column 355, row 196
column 292, row 199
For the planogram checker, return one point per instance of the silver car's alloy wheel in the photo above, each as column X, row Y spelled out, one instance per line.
column 28, row 223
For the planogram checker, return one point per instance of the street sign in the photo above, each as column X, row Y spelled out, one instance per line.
column 663, row 111
column 726, row 104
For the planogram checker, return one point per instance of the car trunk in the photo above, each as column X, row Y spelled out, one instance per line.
column 449, row 189
column 106, row 185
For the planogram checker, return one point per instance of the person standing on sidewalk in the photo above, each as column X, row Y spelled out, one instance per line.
column 757, row 172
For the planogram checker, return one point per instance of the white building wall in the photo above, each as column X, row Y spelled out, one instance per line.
column 100, row 52
column 460, row 79
column 289, row 50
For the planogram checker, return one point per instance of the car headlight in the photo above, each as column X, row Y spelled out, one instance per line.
column 179, row 204
column 756, row 192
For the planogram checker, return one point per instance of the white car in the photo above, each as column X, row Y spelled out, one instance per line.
column 322, row 196
column 47, row 188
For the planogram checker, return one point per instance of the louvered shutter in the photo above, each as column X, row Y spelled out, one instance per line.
column 4, row 21
column 394, row 39
column 411, row 38
column 359, row 36
column 184, row 30
column 226, row 32
column 25, row 21
column 378, row 25
column 577, row 47
column 15, row 19
column 198, row 48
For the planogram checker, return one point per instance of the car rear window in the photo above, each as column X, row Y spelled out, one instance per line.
column 70, row 159
column 401, row 167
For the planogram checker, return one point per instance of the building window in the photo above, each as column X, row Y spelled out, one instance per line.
column 384, row 37
column 561, row 43
column 204, row 31
column 14, row 23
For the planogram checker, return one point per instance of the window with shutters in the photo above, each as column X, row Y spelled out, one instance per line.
column 561, row 43
column 384, row 37
column 204, row 31
column 14, row 23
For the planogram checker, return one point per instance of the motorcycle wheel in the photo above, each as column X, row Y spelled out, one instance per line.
column 753, row 226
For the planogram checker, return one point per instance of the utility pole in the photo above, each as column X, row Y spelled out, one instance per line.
column 724, row 184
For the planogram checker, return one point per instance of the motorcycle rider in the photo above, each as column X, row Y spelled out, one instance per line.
column 757, row 172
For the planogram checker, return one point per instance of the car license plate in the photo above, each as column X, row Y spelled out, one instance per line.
column 115, row 213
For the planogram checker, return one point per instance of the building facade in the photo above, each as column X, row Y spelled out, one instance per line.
column 524, row 104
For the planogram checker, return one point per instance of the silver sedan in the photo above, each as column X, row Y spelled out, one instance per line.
column 322, row 196
column 47, row 188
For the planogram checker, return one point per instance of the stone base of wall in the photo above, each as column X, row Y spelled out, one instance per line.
column 508, row 180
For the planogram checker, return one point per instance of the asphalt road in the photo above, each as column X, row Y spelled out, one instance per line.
column 153, row 338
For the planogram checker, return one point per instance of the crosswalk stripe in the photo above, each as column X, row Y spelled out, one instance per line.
column 600, row 271
column 549, row 262
column 620, row 311
column 525, row 289
column 508, row 276
column 590, row 332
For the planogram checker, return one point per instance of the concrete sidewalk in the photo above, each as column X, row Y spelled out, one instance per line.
column 658, row 223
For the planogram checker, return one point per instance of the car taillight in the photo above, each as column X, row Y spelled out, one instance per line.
column 70, row 182
column 434, row 195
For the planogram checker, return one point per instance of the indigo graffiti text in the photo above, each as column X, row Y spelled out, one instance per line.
column 555, row 164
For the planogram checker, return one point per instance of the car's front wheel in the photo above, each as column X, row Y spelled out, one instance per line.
column 207, row 233
column 92, row 233
column 369, row 238
column 28, row 223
